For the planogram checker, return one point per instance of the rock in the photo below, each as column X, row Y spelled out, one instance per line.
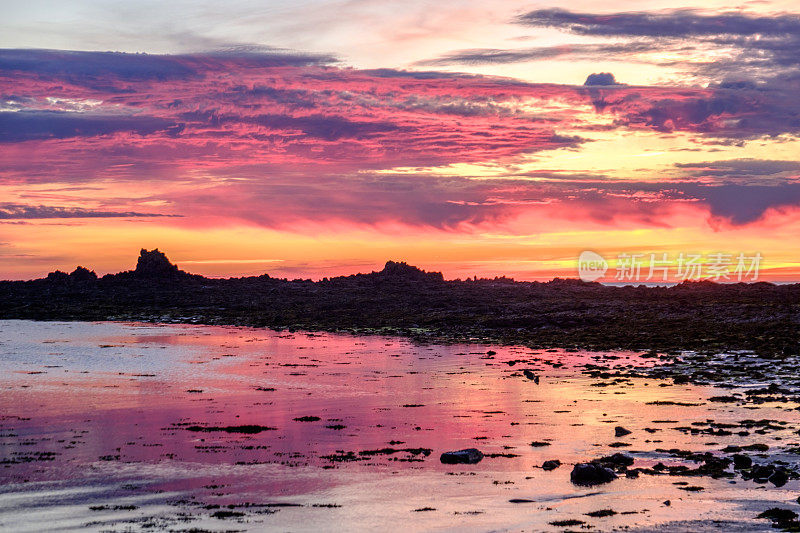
column 402, row 272
column 470, row 456
column 620, row 431
column 785, row 519
column 551, row 465
column 530, row 375
column 154, row 264
column 741, row 461
column 759, row 473
column 58, row 276
column 779, row 478
column 616, row 460
column 82, row 274
column 589, row 474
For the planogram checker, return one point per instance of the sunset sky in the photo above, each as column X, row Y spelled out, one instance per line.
column 315, row 138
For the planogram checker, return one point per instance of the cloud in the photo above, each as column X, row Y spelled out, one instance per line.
column 601, row 78
column 91, row 118
column 490, row 56
column 748, row 45
column 452, row 203
column 743, row 204
column 9, row 211
column 328, row 128
column 672, row 23
column 742, row 168
column 242, row 138
column 744, row 47
column 19, row 126
column 97, row 69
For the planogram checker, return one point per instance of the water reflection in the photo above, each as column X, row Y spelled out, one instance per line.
column 135, row 425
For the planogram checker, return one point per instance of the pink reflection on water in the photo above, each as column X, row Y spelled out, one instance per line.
column 112, row 402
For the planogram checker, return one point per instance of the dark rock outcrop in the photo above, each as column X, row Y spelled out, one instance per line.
column 470, row 456
column 589, row 474
column 551, row 464
column 58, row 276
column 82, row 274
column 620, row 431
column 154, row 264
column 403, row 272
column 741, row 461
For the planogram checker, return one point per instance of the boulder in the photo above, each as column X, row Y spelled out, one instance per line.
column 551, row 464
column 779, row 478
column 470, row 456
column 589, row 474
column 741, row 461
column 620, row 431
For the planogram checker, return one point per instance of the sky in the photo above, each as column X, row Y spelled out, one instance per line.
column 318, row 138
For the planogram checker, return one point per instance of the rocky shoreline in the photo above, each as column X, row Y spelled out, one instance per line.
column 403, row 300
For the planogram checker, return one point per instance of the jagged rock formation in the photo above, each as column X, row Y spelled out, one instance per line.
column 402, row 271
column 154, row 264
column 82, row 274
column 77, row 275
column 407, row 300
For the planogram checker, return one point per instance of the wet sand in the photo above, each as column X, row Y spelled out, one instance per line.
column 118, row 427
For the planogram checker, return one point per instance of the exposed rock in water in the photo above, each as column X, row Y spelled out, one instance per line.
column 620, row 431
column 530, row 375
column 779, row 478
column 588, row 474
column 785, row 519
column 551, row 464
column 616, row 460
column 469, row 456
column 741, row 461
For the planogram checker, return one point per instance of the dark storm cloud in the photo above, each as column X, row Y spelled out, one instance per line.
column 24, row 212
column 741, row 167
column 328, row 128
column 737, row 204
column 84, row 66
column 19, row 126
column 743, row 204
column 676, row 23
column 758, row 47
column 489, row 56
column 601, row 78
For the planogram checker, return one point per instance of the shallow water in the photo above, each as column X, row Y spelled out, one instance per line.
column 101, row 428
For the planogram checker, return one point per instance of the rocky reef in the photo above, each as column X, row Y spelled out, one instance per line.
column 405, row 300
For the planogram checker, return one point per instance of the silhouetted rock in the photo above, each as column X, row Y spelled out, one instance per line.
column 620, row 431
column 82, row 274
column 588, row 474
column 154, row 264
column 779, row 478
column 552, row 464
column 402, row 271
column 470, row 456
column 404, row 300
column 531, row 375
column 741, row 461
column 58, row 276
